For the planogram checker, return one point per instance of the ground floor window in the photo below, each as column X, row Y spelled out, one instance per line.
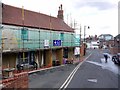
column 26, row 57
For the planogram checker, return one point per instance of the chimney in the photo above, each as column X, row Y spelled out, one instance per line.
column 60, row 13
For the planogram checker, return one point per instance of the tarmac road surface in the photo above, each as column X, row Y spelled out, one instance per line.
column 92, row 73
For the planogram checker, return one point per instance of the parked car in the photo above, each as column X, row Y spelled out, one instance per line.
column 23, row 66
column 116, row 59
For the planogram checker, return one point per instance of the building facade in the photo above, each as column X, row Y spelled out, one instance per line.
column 28, row 36
column 116, row 45
column 106, row 39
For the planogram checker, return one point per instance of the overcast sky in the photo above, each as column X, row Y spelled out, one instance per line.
column 100, row 15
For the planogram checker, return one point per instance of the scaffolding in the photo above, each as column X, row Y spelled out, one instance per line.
column 19, row 38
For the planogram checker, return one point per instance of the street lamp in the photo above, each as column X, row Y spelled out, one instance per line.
column 80, row 35
column 118, row 44
column 85, row 31
column 80, row 42
column 84, row 38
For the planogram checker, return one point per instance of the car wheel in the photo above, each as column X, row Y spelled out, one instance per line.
column 114, row 60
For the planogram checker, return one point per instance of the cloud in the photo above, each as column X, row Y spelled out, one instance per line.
column 105, row 27
column 100, row 5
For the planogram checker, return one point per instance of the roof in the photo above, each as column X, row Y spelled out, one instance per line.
column 118, row 36
column 106, row 35
column 13, row 16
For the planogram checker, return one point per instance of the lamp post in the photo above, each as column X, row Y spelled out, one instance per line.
column 80, row 42
column 84, row 38
column 118, row 44
column 85, row 32
column 80, row 35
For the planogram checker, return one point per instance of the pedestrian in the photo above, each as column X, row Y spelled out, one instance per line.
column 64, row 60
column 105, row 56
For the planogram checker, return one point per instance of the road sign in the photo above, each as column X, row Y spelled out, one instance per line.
column 56, row 42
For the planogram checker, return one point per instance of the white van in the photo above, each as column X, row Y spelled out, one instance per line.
column 94, row 45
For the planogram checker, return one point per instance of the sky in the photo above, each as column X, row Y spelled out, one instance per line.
column 100, row 15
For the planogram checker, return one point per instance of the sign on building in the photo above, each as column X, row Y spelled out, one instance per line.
column 56, row 42
column 46, row 43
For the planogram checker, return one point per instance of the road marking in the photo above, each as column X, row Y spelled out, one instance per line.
column 95, row 63
column 92, row 80
column 68, row 80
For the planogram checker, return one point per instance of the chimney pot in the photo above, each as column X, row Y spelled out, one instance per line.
column 60, row 12
column 61, row 6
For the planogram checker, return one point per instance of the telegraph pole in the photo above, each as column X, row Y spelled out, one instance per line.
column 84, row 38
column 80, row 34
column 80, row 41
column 84, row 33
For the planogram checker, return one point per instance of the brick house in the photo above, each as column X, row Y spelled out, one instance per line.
column 116, row 47
column 39, row 37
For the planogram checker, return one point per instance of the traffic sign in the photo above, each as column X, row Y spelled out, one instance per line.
column 56, row 42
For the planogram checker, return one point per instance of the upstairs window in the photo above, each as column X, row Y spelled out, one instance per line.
column 24, row 34
column 62, row 36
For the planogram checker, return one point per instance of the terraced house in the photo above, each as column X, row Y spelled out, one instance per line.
column 29, row 36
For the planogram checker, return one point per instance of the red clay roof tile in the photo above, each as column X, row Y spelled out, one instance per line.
column 13, row 16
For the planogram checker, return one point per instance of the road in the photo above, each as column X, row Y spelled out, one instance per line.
column 95, row 73
column 51, row 78
column 92, row 73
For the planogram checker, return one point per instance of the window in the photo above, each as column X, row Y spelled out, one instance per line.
column 22, row 59
column 24, row 34
column 62, row 36
column 108, row 37
column 26, row 57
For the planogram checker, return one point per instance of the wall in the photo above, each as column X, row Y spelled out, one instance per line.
column 59, row 55
column 70, row 53
column 48, row 57
column 82, row 50
column 114, row 50
column 18, row 82
column 39, row 56
column 9, row 60
column 53, row 54
column 116, row 47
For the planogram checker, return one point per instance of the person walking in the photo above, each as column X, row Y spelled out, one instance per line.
column 106, row 53
column 106, row 57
